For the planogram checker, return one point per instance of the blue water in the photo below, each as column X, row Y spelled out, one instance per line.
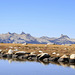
column 33, row 68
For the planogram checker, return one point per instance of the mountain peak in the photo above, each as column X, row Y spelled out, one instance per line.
column 22, row 38
column 64, row 36
column 9, row 33
column 22, row 33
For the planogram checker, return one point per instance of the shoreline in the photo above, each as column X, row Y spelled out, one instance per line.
column 43, row 52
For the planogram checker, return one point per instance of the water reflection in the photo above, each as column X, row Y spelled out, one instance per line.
column 42, row 62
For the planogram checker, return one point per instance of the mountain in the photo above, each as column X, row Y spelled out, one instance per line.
column 63, row 39
column 27, row 38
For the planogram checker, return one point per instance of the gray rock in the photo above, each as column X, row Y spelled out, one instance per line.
column 20, row 53
column 4, row 55
column 20, row 57
column 46, row 59
column 72, row 56
column 71, row 60
column 63, row 60
column 9, row 55
column 14, row 56
column 53, row 58
column 43, row 55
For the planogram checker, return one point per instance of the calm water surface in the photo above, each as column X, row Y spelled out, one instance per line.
column 33, row 68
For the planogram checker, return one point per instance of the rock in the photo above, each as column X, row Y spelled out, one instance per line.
column 46, row 59
column 43, row 55
column 1, row 54
column 4, row 55
column 38, row 55
column 14, row 56
column 72, row 66
column 9, row 55
column 10, row 61
column 20, row 53
column 0, row 50
column 32, row 56
column 20, row 57
column 64, row 56
column 40, row 51
column 58, row 54
column 53, row 58
column 54, row 53
column 72, row 58
column 61, row 60
column 10, row 51
column 32, row 53
column 29, row 58
column 25, row 56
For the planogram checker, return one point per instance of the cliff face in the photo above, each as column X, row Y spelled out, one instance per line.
column 22, row 38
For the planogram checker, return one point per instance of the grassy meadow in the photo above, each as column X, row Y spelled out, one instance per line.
column 52, row 50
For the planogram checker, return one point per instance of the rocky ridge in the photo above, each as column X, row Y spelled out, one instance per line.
column 27, row 38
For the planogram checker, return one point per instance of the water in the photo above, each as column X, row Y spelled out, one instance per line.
column 33, row 68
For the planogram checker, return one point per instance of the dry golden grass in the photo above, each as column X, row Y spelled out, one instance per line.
column 59, row 49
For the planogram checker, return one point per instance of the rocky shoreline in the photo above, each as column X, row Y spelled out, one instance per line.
column 45, row 57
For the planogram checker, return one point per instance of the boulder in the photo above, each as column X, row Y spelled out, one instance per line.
column 4, row 55
column 20, row 53
column 20, row 57
column 53, row 58
column 1, row 54
column 14, row 56
column 25, row 56
column 9, row 55
column 43, row 55
column 32, row 57
column 0, row 50
column 72, row 58
column 46, row 60
column 63, row 58
column 10, row 51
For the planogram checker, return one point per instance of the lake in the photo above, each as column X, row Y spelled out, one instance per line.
column 9, row 67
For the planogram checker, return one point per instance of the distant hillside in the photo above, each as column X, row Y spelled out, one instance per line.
column 27, row 38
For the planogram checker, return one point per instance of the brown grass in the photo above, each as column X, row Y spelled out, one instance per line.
column 59, row 49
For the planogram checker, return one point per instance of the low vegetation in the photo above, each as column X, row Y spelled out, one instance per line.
column 52, row 50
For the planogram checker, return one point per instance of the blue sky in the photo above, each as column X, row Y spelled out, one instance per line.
column 38, row 17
